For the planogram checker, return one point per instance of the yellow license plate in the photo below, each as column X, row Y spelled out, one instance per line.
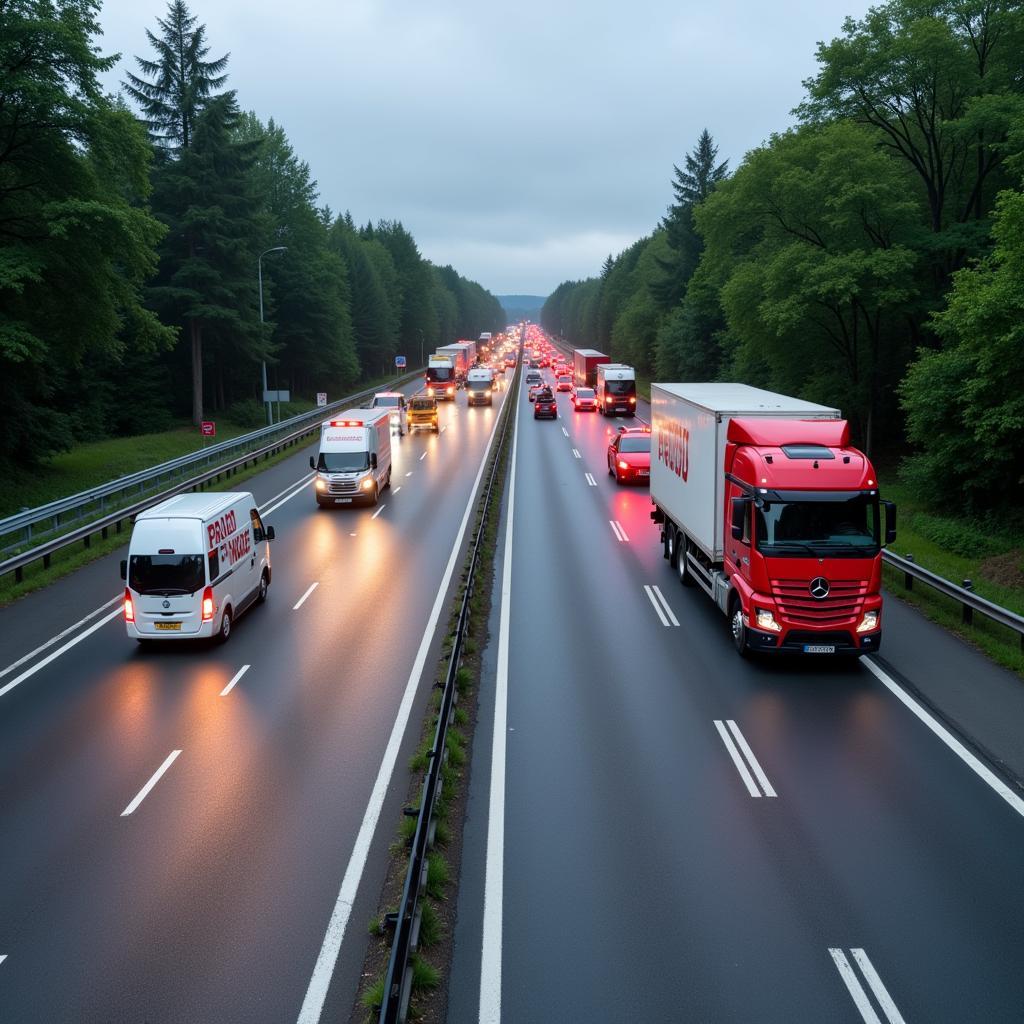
column 168, row 625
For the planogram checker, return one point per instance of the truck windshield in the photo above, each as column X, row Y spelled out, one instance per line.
column 166, row 574
column 620, row 387
column 343, row 462
column 847, row 528
column 439, row 373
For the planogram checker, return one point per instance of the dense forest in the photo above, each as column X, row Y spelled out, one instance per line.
column 870, row 257
column 133, row 230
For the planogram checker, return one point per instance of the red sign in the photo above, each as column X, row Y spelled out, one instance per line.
column 208, row 428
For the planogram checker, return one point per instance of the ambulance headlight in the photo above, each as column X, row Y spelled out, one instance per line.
column 321, row 484
column 367, row 484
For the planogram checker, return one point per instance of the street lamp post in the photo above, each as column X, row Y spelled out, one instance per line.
column 420, row 332
column 259, row 274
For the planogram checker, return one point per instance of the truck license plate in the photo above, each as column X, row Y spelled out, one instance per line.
column 342, row 501
column 819, row 648
column 168, row 625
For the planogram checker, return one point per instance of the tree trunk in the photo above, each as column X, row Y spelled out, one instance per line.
column 196, row 332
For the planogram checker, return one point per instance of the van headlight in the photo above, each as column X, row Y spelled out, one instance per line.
column 766, row 620
column 321, row 484
column 868, row 622
column 367, row 483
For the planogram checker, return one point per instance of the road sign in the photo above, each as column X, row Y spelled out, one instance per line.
column 208, row 428
column 399, row 362
column 321, row 398
column 277, row 396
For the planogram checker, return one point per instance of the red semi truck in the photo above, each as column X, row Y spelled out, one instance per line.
column 764, row 505
column 585, row 362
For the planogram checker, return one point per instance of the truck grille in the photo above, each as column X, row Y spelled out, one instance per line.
column 844, row 601
column 343, row 487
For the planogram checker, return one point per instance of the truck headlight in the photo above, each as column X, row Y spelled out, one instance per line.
column 766, row 620
column 321, row 484
column 869, row 622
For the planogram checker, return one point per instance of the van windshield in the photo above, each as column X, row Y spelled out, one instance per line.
column 166, row 574
column 479, row 385
column 343, row 462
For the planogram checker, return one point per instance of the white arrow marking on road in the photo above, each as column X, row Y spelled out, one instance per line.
column 590, row 479
column 144, row 792
column 302, row 600
column 238, row 675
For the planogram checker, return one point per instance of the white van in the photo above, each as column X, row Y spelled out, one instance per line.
column 354, row 463
column 479, row 385
column 396, row 405
column 195, row 563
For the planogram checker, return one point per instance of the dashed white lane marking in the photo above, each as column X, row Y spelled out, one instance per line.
column 409, row 473
column 590, row 479
column 856, row 990
column 755, row 765
column 395, row 490
column 620, row 533
column 423, row 456
column 564, row 431
column 302, row 600
column 660, row 597
column 728, row 736
column 655, row 605
column 576, row 453
column 238, row 675
column 378, row 512
column 3, row 957
column 443, row 429
column 982, row 771
column 144, row 792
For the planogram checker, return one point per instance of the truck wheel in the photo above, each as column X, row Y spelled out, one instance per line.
column 682, row 566
column 224, row 632
column 671, row 543
column 738, row 627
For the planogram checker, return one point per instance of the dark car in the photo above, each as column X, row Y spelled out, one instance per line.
column 544, row 404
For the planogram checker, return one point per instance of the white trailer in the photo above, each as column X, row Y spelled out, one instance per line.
column 354, row 462
column 458, row 355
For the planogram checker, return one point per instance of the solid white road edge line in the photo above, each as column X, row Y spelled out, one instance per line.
column 144, row 792
column 656, row 606
column 302, row 600
column 238, row 675
column 378, row 512
column 854, row 987
column 664, row 604
column 881, row 992
column 755, row 765
column 982, row 771
column 60, row 636
column 494, row 878
column 107, row 618
column 319, row 983
column 737, row 760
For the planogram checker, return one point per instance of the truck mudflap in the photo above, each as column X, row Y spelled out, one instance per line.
column 836, row 642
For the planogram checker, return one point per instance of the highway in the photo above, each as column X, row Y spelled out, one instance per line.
column 662, row 831
column 178, row 822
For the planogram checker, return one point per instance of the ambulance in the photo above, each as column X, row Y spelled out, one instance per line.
column 195, row 563
column 354, row 463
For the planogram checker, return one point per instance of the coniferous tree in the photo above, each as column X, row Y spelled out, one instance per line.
column 174, row 89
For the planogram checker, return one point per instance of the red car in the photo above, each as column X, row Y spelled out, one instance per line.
column 629, row 456
column 584, row 398
column 564, row 382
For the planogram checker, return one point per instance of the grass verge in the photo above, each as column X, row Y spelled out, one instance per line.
column 432, row 962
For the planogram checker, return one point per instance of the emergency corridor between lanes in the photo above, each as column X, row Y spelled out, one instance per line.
column 178, row 822
column 660, row 830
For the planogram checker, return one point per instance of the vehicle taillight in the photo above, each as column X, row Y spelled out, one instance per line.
column 208, row 604
column 129, row 606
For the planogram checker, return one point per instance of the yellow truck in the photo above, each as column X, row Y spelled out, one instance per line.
column 422, row 412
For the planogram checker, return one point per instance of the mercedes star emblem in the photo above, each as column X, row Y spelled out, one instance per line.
column 819, row 587
column 167, row 604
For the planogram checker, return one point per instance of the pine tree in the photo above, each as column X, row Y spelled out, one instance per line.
column 690, row 188
column 175, row 88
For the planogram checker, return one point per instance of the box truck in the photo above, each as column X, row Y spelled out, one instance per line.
column 764, row 505
column 616, row 389
column 195, row 563
column 459, row 356
column 479, row 386
column 585, row 362
column 354, row 461
column 439, row 379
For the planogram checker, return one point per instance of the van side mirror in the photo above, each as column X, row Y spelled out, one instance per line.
column 269, row 533
column 739, row 508
column 890, row 522
column 312, row 462
column 373, row 460
column 124, row 568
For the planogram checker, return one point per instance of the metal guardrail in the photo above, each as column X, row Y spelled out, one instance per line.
column 406, row 921
column 969, row 601
column 31, row 525
column 298, row 427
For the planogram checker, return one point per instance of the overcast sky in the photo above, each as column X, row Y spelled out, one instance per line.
column 520, row 142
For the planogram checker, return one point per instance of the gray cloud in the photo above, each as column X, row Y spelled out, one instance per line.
column 519, row 142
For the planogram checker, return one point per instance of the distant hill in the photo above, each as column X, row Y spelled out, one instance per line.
column 522, row 307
